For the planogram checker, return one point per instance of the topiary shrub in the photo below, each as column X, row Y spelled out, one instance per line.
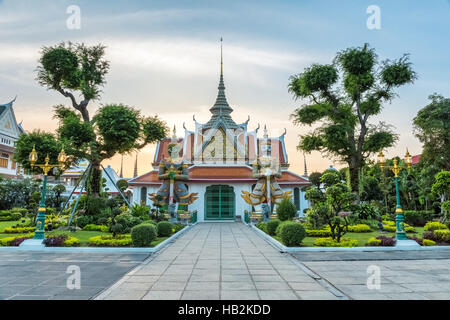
column 271, row 226
column 431, row 226
column 286, row 210
column 292, row 233
column 164, row 229
column 427, row 242
column 142, row 235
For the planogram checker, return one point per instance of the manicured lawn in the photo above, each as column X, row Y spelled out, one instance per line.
column 362, row 237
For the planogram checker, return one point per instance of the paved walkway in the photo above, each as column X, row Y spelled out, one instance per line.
column 399, row 279
column 220, row 261
column 43, row 275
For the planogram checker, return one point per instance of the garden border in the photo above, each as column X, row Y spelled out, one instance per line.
column 104, row 249
column 278, row 245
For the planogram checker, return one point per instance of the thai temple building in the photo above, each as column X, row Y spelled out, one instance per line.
column 10, row 131
column 220, row 169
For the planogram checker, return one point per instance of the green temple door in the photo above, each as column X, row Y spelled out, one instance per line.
column 219, row 203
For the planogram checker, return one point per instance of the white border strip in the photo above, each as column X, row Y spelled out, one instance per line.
column 283, row 248
column 103, row 249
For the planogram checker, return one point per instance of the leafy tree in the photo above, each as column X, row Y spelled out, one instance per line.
column 432, row 127
column 442, row 186
column 17, row 193
column 122, row 185
column 342, row 97
column 314, row 178
column 332, row 206
column 45, row 144
column 78, row 70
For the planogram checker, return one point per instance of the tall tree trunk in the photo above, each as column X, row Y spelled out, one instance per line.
column 354, row 179
column 95, row 179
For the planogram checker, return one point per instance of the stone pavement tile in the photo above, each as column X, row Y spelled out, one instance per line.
column 203, row 285
column 259, row 266
column 280, row 285
column 235, row 271
column 407, row 296
column 316, row 295
column 143, row 279
column 239, row 295
column 126, row 294
column 24, row 297
column 424, row 287
column 240, row 285
column 163, row 295
column 370, row 296
column 149, row 271
column 436, row 295
column 145, row 286
column 168, row 286
column 65, row 297
column 200, row 295
column 269, row 271
column 236, row 277
column 277, row 295
column 205, row 277
column 298, row 277
column 268, row 278
column 302, row 286
column 384, row 288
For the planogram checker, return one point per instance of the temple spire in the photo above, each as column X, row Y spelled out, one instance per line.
column 221, row 56
column 221, row 109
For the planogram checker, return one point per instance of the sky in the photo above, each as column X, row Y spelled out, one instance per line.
column 165, row 59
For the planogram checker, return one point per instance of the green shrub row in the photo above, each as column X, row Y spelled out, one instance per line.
column 110, row 241
column 329, row 242
column 432, row 226
column 19, row 229
column 96, row 227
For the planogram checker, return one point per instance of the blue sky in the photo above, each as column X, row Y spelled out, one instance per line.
column 165, row 57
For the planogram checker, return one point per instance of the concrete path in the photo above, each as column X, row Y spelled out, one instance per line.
column 220, row 261
column 43, row 275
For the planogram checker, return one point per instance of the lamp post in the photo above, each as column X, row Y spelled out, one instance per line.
column 396, row 168
column 39, row 234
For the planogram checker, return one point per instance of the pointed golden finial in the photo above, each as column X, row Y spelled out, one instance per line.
column 221, row 56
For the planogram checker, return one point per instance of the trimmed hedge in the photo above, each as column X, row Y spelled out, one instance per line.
column 329, row 242
column 271, row 226
column 164, row 229
column 19, row 229
column 427, row 242
column 142, row 235
column 432, row 226
column 96, row 227
column 110, row 241
column 291, row 233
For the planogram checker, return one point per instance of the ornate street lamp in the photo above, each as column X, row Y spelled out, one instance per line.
column 399, row 218
column 39, row 234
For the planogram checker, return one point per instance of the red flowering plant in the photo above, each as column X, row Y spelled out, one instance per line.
column 333, row 204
